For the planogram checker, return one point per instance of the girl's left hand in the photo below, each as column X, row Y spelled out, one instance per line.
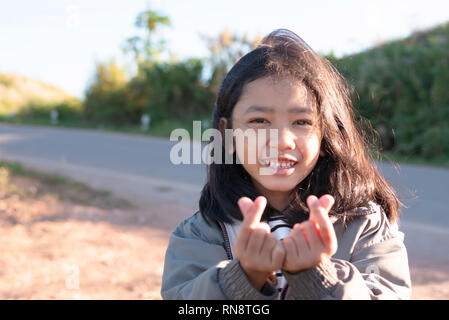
column 312, row 241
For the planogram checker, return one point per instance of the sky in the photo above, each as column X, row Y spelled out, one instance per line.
column 59, row 42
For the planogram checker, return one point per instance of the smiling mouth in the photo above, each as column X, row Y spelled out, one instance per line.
column 278, row 164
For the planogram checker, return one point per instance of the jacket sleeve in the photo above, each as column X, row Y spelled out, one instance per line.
column 378, row 268
column 196, row 267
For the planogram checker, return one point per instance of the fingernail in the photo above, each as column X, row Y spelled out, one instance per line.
column 313, row 200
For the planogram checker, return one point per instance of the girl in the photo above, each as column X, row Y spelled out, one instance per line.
column 323, row 225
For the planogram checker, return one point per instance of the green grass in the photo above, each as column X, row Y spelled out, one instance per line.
column 162, row 129
column 441, row 162
column 66, row 189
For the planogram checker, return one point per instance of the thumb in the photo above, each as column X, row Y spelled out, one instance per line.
column 245, row 204
column 327, row 201
column 278, row 255
column 252, row 211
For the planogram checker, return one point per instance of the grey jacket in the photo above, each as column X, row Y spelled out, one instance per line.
column 371, row 263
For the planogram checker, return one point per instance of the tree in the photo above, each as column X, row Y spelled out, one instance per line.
column 225, row 50
column 146, row 49
column 105, row 97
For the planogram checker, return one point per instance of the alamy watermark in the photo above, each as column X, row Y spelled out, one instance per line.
column 250, row 144
column 72, row 279
column 72, row 20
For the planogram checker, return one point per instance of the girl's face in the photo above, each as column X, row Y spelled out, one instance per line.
column 290, row 109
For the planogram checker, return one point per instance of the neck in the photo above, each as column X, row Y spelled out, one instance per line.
column 279, row 200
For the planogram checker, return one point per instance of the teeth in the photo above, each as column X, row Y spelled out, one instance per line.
column 275, row 164
column 287, row 165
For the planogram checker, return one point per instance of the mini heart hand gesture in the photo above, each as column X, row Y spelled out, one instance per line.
column 260, row 252
column 313, row 240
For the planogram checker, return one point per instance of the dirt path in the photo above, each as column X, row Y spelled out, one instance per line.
column 53, row 247
column 430, row 277
column 66, row 251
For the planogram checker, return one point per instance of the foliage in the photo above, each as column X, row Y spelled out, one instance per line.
column 403, row 88
column 162, row 90
column 105, row 99
column 225, row 50
column 147, row 49
column 70, row 110
column 172, row 90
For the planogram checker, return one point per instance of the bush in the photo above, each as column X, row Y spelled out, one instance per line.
column 175, row 91
column 68, row 111
column 105, row 99
column 404, row 85
column 166, row 91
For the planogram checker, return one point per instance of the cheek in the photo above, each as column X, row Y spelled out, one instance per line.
column 313, row 146
column 241, row 150
column 310, row 148
column 246, row 149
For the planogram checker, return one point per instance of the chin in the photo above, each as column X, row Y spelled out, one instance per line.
column 280, row 186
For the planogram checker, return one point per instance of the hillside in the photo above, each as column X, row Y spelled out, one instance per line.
column 18, row 92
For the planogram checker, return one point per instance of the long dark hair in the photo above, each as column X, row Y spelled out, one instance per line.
column 346, row 171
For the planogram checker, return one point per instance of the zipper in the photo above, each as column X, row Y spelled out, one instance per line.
column 227, row 242
column 284, row 292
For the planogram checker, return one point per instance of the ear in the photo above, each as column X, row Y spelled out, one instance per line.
column 222, row 125
column 321, row 153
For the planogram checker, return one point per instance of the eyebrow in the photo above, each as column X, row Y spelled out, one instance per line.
column 256, row 108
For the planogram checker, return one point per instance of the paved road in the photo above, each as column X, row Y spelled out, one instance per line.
column 140, row 167
column 129, row 164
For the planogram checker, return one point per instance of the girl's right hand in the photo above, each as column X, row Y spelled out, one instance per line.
column 258, row 250
column 311, row 241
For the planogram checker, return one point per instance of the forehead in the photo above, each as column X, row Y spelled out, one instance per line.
column 269, row 95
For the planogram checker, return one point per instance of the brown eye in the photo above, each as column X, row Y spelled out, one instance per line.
column 303, row 122
column 258, row 121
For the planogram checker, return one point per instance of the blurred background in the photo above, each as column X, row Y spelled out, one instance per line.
column 90, row 92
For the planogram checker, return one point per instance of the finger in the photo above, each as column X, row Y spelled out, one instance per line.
column 278, row 255
column 300, row 238
column 270, row 242
column 289, row 246
column 253, row 215
column 265, row 226
column 271, row 256
column 246, row 228
column 313, row 203
column 313, row 239
column 320, row 216
column 327, row 201
column 245, row 204
column 269, row 245
column 256, row 242
column 242, row 242
column 328, row 234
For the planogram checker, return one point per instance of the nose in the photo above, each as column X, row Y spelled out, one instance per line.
column 286, row 139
